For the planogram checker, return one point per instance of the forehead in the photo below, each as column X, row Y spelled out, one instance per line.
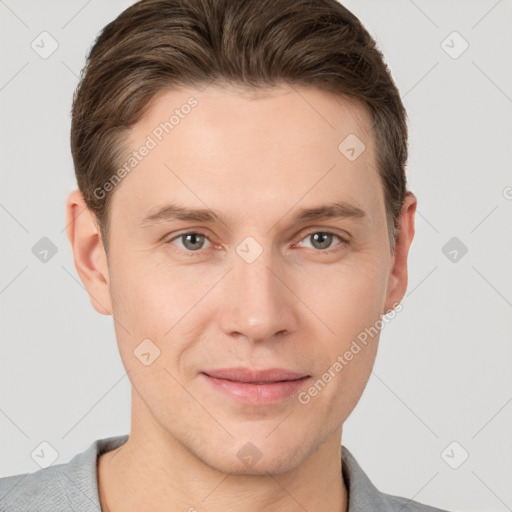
column 252, row 148
column 221, row 113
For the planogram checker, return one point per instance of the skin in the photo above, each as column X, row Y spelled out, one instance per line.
column 256, row 160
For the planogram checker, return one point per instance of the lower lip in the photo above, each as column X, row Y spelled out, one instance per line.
column 257, row 394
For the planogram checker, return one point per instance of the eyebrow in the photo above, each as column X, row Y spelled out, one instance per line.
column 340, row 210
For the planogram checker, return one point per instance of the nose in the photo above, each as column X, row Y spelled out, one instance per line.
column 258, row 301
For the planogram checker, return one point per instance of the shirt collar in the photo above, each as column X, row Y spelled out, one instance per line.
column 362, row 494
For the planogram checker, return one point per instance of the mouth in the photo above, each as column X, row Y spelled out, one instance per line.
column 256, row 387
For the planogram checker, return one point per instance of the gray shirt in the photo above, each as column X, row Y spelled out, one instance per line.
column 73, row 486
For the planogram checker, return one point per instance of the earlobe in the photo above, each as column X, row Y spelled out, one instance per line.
column 88, row 252
column 397, row 283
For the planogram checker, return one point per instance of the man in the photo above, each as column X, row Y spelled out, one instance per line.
column 243, row 215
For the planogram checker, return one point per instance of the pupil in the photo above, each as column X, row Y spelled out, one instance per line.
column 321, row 240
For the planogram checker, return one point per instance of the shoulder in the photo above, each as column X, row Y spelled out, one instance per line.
column 398, row 503
column 364, row 496
column 71, row 486
column 43, row 489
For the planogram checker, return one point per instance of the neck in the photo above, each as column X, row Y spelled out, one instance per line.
column 153, row 471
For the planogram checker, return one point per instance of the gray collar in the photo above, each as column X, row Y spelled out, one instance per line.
column 74, row 486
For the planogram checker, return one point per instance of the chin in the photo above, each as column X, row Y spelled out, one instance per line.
column 248, row 458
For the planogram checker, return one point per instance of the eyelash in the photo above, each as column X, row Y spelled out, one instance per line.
column 340, row 246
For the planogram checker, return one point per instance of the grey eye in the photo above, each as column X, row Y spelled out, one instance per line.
column 321, row 240
column 192, row 241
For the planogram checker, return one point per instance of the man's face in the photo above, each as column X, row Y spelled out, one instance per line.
column 255, row 286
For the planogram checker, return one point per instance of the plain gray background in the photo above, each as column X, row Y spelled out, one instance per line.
column 443, row 371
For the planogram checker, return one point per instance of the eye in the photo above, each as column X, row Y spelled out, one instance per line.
column 323, row 240
column 190, row 241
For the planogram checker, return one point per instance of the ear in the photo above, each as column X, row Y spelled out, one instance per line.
column 89, row 255
column 397, row 283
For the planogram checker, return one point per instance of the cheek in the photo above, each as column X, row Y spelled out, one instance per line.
column 350, row 307
column 348, row 298
column 142, row 309
column 347, row 361
column 157, row 303
column 145, row 291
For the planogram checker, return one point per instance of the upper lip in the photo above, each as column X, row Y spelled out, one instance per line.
column 253, row 375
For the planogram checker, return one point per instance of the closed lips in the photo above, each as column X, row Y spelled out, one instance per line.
column 253, row 376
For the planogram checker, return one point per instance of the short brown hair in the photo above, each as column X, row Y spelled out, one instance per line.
column 155, row 45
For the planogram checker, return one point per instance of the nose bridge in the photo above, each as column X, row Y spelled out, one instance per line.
column 258, row 305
